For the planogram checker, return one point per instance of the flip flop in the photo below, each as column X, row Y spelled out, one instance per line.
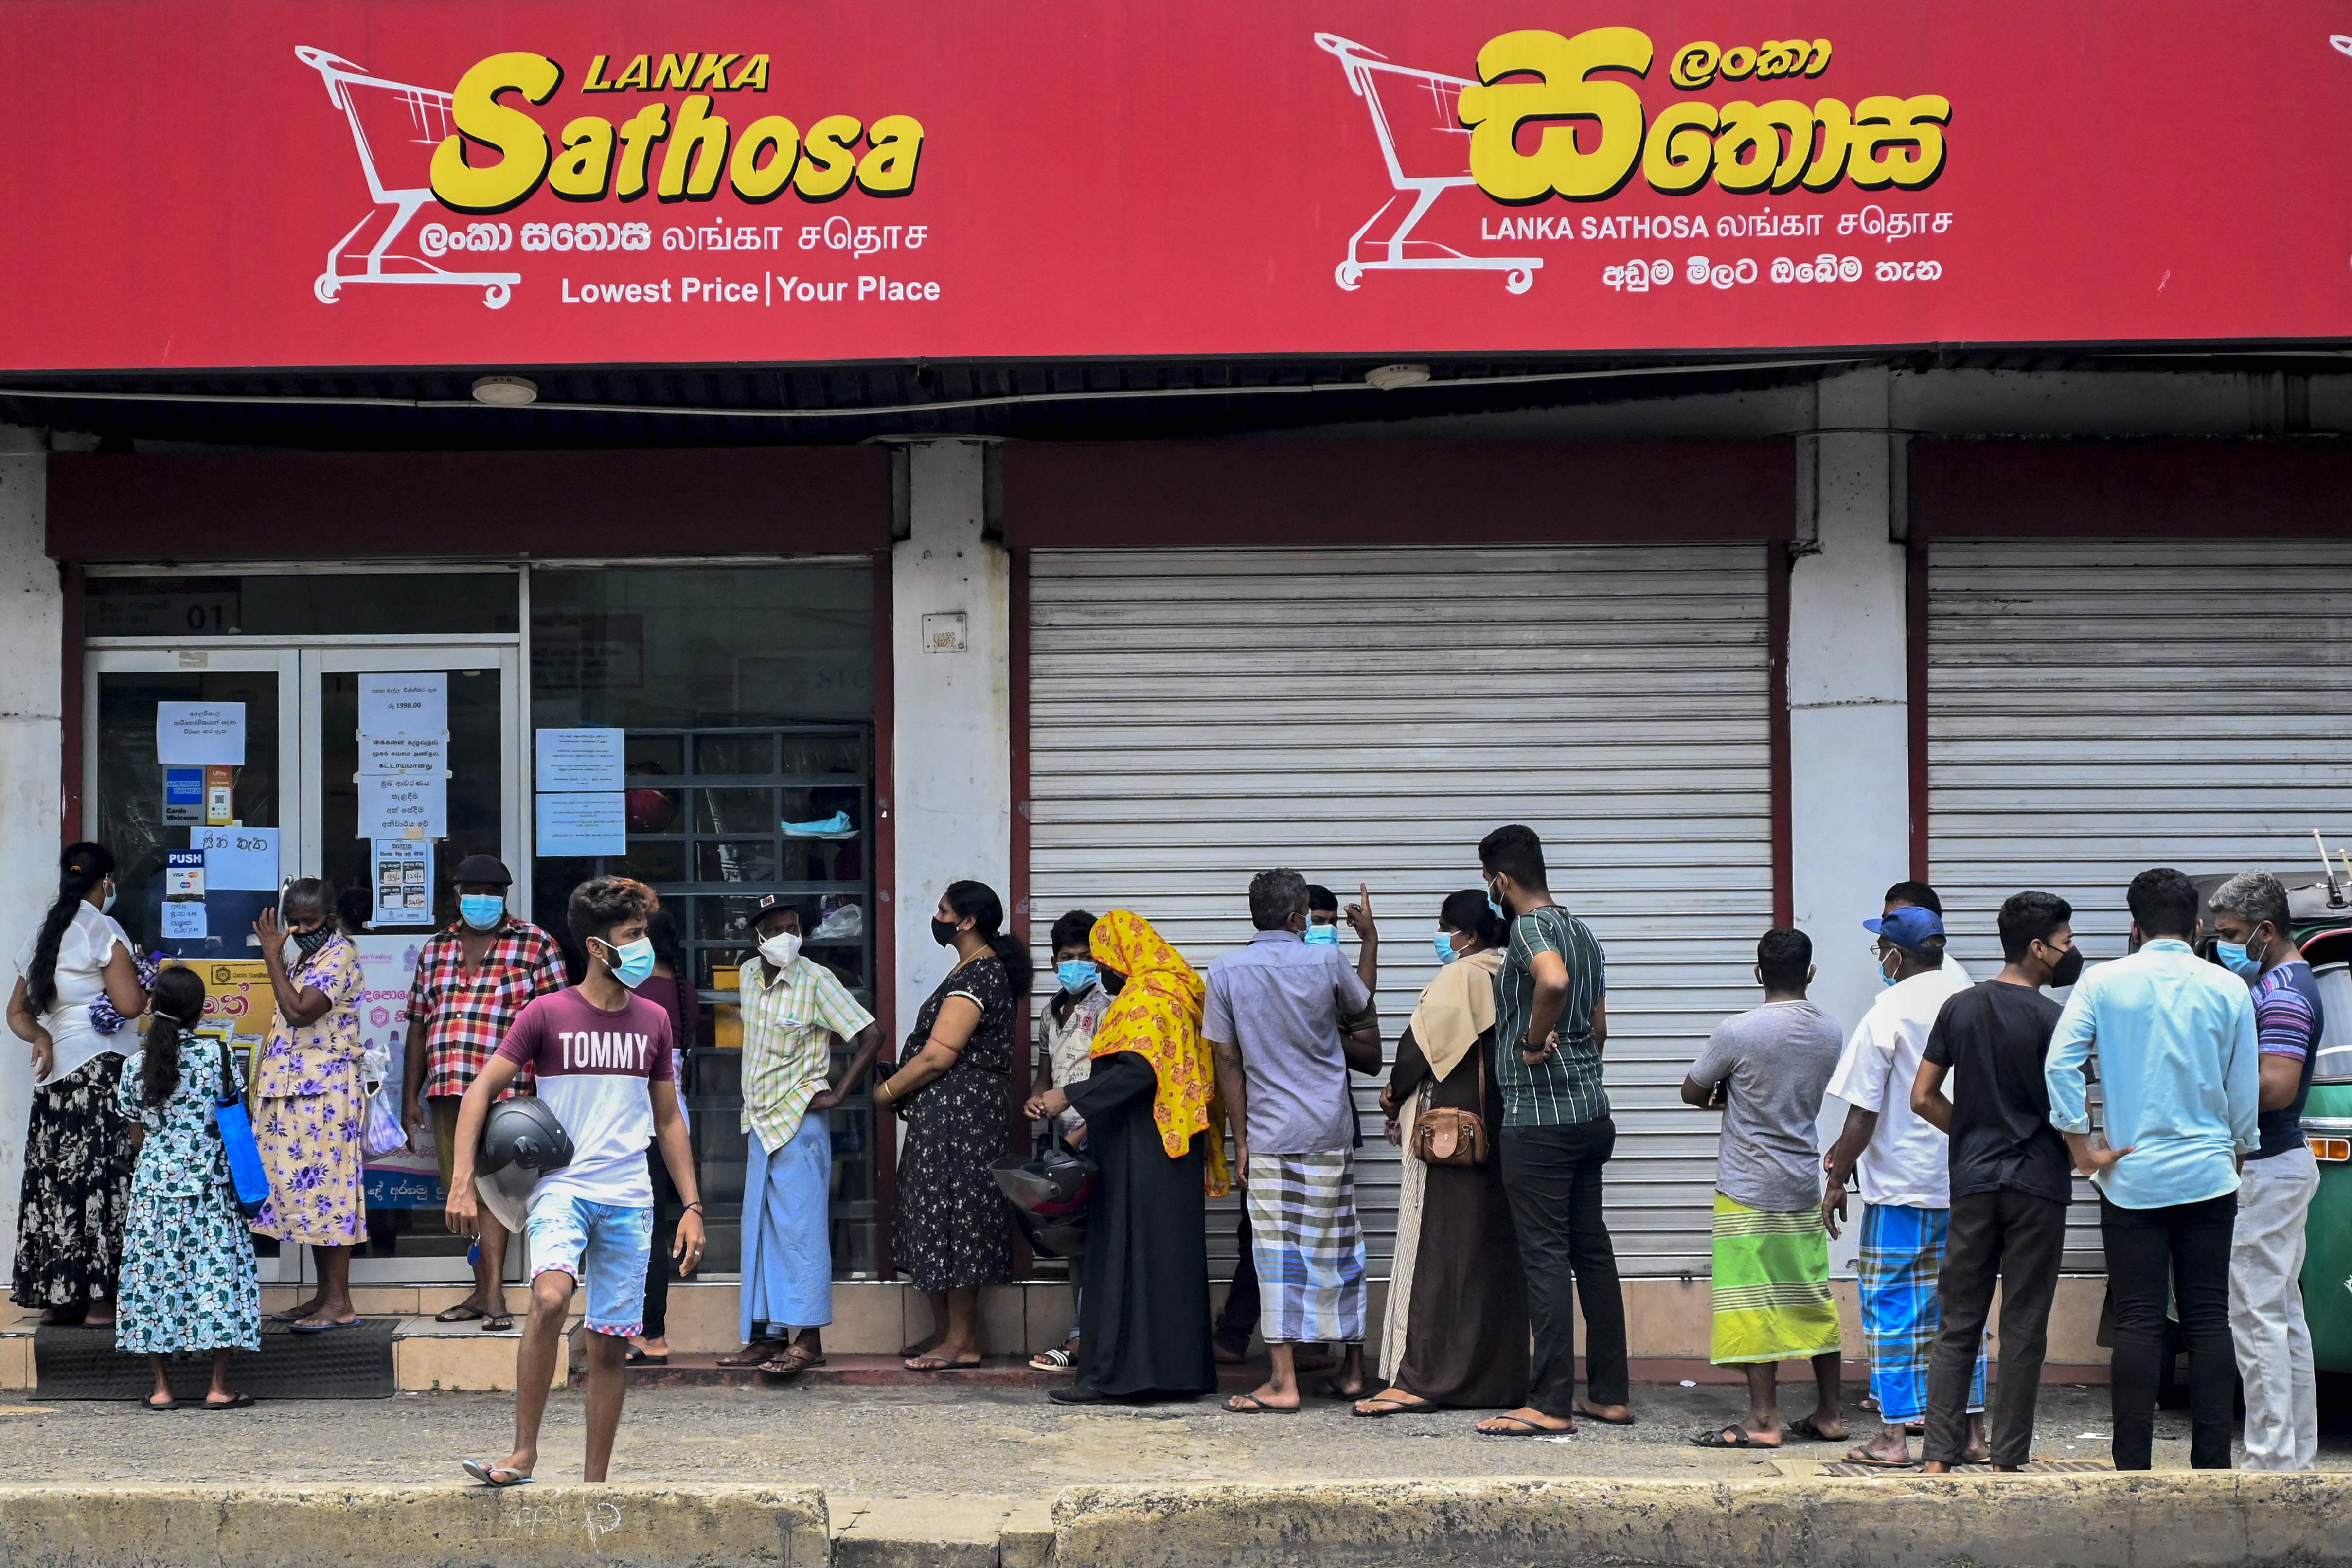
column 747, row 1358
column 933, row 1362
column 1526, row 1428
column 234, row 1402
column 1251, row 1404
column 1329, row 1389
column 327, row 1327
column 1586, row 1413
column 1731, row 1437
column 635, row 1357
column 1385, row 1408
column 498, row 1323
column 488, row 1474
column 463, row 1313
column 1810, row 1431
column 160, row 1409
column 1871, row 1461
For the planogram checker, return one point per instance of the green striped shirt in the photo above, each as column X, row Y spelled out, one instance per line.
column 1565, row 1087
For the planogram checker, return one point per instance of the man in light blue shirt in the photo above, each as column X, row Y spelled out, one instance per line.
column 2176, row 1044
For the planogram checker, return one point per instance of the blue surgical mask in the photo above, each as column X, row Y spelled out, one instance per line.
column 633, row 962
column 1078, row 973
column 481, row 911
column 106, row 906
column 1443, row 944
column 2238, row 961
column 1322, row 936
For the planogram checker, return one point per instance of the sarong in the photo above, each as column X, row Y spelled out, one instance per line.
column 1771, row 1286
column 787, row 1231
column 1902, row 1262
column 1308, row 1248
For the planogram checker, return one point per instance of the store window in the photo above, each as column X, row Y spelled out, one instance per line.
column 743, row 699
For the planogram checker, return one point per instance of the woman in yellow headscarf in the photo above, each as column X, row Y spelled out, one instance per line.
column 1153, row 1127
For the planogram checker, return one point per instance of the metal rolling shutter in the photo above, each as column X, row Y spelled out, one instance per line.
column 2099, row 707
column 1367, row 716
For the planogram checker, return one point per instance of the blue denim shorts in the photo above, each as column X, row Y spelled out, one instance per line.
column 603, row 1246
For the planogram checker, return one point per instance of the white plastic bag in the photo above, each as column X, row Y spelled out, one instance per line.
column 384, row 1132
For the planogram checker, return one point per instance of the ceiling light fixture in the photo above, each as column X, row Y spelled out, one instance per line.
column 1396, row 377
column 506, row 392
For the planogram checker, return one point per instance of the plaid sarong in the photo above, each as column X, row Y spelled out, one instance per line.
column 1771, row 1286
column 1306, row 1245
column 1902, row 1262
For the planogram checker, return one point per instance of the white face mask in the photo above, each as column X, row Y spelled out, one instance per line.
column 780, row 949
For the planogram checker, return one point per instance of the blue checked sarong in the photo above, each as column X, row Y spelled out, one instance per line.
column 1308, row 1248
column 1902, row 1262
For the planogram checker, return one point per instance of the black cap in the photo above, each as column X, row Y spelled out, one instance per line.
column 488, row 869
column 770, row 905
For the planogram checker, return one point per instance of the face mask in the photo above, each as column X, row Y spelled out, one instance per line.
column 1078, row 973
column 1113, row 982
column 1322, row 936
column 481, row 911
column 943, row 933
column 1443, row 944
column 106, row 905
column 1885, row 977
column 780, row 949
column 2068, row 968
column 2238, row 960
column 632, row 962
column 1492, row 903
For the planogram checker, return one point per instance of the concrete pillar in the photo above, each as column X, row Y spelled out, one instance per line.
column 1849, row 744
column 952, row 724
column 32, row 610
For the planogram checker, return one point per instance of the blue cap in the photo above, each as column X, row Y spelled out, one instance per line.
column 1910, row 928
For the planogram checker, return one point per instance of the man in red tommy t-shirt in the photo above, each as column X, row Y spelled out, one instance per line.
column 603, row 1060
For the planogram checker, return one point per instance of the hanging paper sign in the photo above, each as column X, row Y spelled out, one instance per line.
column 403, row 882
column 238, row 858
column 195, row 734
column 410, row 703
column 575, row 760
column 403, row 808
column 587, row 824
column 403, row 756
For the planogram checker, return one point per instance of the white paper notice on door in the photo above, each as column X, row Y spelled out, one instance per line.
column 414, row 704
column 403, row 882
column 200, row 734
column 576, row 759
column 588, row 823
column 401, row 757
column 403, row 808
column 237, row 859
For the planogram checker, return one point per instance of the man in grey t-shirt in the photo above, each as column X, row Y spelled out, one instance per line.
column 1767, row 1070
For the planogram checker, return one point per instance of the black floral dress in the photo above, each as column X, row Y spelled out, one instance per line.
column 951, row 1228
column 77, row 1191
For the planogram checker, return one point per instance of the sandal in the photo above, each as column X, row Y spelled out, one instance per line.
column 1251, row 1404
column 1381, row 1406
column 1732, row 1436
column 795, row 1360
column 463, row 1313
column 634, row 1356
column 498, row 1323
column 1058, row 1358
column 1864, row 1458
column 1328, row 1388
column 1810, row 1430
column 234, row 1402
column 759, row 1353
column 488, row 1474
column 934, row 1362
column 1525, row 1428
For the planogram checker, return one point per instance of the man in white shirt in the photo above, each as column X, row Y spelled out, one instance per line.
column 1904, row 1162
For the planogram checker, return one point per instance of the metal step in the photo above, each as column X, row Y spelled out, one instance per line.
column 348, row 1364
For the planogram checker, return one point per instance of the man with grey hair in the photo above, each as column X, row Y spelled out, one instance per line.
column 2280, row 1177
column 1285, row 1021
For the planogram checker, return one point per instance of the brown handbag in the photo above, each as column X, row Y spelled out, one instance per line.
column 1445, row 1137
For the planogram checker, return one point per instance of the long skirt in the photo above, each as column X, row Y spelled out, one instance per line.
column 954, row 1227
column 77, row 1191
column 310, row 1148
column 188, row 1277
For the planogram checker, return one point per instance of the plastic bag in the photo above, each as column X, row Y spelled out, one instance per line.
column 384, row 1132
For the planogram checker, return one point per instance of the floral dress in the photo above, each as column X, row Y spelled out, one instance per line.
column 311, row 1108
column 188, row 1277
column 951, row 1228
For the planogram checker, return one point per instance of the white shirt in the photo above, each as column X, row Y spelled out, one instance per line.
column 83, row 949
column 1908, row 1162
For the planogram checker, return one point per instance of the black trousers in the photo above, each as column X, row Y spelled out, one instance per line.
column 2187, row 1247
column 1238, row 1319
column 2014, row 1239
column 666, row 1210
column 1553, row 1175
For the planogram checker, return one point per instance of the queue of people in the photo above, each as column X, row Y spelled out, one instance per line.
column 1965, row 1118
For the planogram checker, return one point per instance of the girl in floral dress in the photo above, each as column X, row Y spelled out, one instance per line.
column 188, row 1277
column 310, row 1108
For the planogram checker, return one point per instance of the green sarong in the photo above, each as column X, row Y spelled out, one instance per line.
column 1771, row 1286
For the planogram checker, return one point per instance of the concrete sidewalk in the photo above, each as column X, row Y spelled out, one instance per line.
column 937, row 1440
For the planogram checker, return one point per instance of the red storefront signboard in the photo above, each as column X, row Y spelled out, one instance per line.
column 284, row 182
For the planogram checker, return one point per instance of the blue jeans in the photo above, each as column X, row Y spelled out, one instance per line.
column 603, row 1246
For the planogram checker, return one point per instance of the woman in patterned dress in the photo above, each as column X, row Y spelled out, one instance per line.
column 310, row 1109
column 953, row 1090
column 188, row 1277
column 78, row 1148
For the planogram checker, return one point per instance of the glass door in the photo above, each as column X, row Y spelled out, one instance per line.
column 188, row 766
column 411, row 761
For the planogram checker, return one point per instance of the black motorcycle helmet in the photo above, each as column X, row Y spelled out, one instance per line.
column 1056, row 1184
column 523, row 1131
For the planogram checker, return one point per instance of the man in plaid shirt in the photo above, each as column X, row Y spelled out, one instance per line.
column 471, row 980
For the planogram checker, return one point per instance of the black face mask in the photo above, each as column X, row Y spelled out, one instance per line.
column 1110, row 980
column 2068, row 968
column 310, row 941
column 943, row 933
